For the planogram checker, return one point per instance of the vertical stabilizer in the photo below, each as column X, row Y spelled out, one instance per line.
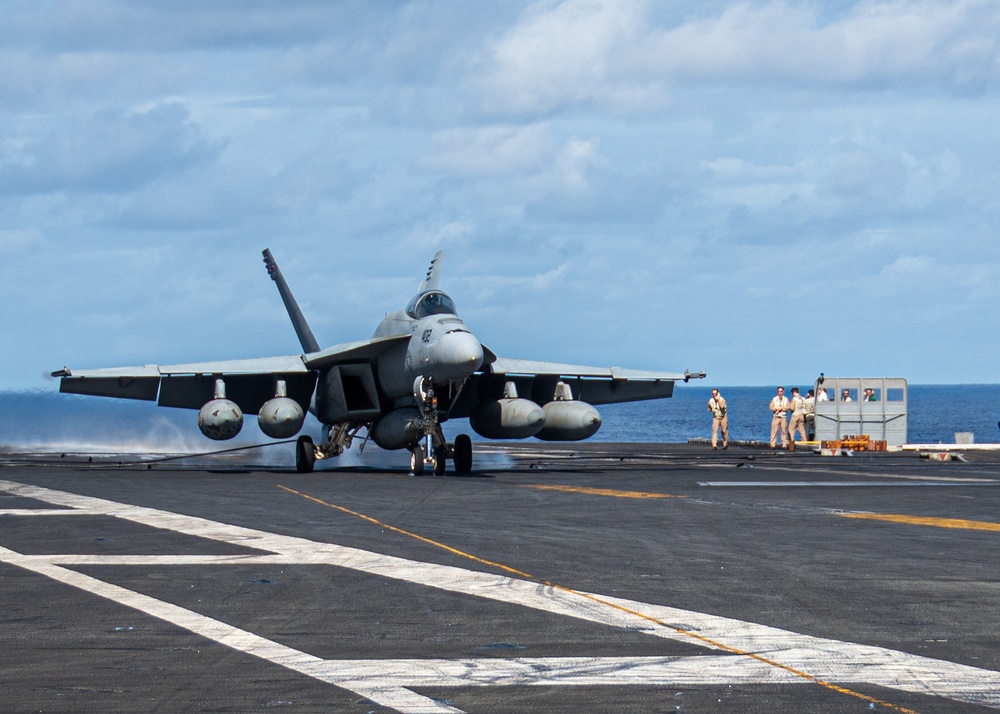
column 433, row 273
column 309, row 343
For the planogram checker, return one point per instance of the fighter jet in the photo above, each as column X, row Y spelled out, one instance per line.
column 421, row 367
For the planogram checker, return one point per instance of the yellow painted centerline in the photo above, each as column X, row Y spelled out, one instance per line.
column 601, row 601
column 957, row 523
column 600, row 491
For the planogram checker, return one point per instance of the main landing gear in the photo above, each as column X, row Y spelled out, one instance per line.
column 305, row 454
column 459, row 452
column 429, row 453
column 462, row 454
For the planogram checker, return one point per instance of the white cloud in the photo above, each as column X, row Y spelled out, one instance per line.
column 492, row 289
column 626, row 57
column 564, row 54
column 459, row 234
column 728, row 167
column 949, row 44
column 108, row 150
column 583, row 162
column 930, row 275
column 12, row 241
column 490, row 150
column 575, row 161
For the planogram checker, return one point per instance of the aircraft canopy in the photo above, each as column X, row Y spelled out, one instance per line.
column 432, row 302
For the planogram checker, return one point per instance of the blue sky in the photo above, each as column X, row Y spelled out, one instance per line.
column 760, row 190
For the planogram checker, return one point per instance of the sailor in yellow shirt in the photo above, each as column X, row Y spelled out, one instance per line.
column 779, row 422
column 799, row 410
column 720, row 419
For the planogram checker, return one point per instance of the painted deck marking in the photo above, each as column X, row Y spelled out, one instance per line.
column 701, row 639
column 956, row 523
column 599, row 491
column 388, row 682
column 836, row 484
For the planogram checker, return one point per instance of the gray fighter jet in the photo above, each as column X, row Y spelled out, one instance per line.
column 422, row 367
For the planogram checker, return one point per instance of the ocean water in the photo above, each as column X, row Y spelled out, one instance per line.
column 934, row 414
column 53, row 421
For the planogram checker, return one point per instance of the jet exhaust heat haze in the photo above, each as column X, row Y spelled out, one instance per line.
column 421, row 367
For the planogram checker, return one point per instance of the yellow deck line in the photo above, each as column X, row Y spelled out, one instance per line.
column 957, row 523
column 594, row 598
column 600, row 491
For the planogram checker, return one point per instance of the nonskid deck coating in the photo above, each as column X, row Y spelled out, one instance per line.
column 768, row 595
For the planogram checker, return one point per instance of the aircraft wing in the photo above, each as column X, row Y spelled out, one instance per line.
column 537, row 380
column 249, row 382
column 507, row 365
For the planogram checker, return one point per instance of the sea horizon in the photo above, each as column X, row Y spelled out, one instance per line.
column 44, row 420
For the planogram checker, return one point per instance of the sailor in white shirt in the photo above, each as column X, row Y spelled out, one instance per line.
column 779, row 422
column 798, row 422
column 720, row 419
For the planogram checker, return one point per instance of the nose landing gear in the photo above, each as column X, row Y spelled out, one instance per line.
column 435, row 451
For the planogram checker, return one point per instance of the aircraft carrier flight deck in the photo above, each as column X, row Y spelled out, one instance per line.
column 585, row 578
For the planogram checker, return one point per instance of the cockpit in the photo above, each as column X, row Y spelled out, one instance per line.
column 432, row 302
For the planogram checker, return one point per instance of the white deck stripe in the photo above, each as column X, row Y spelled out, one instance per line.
column 838, row 484
column 40, row 512
column 385, row 681
column 845, row 471
column 394, row 695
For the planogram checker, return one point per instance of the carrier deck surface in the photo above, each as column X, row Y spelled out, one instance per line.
column 593, row 577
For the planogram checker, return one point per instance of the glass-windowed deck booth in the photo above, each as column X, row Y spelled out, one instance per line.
column 875, row 406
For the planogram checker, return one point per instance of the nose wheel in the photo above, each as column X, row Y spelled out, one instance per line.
column 440, row 460
column 460, row 453
column 417, row 460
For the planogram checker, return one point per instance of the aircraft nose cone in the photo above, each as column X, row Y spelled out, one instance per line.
column 458, row 355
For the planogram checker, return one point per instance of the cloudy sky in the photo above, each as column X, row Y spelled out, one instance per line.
column 760, row 190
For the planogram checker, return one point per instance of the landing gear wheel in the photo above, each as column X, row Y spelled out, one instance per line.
column 305, row 455
column 463, row 454
column 417, row 461
column 440, row 459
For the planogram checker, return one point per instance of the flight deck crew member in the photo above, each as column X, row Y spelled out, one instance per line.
column 798, row 422
column 720, row 420
column 811, row 414
column 779, row 422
